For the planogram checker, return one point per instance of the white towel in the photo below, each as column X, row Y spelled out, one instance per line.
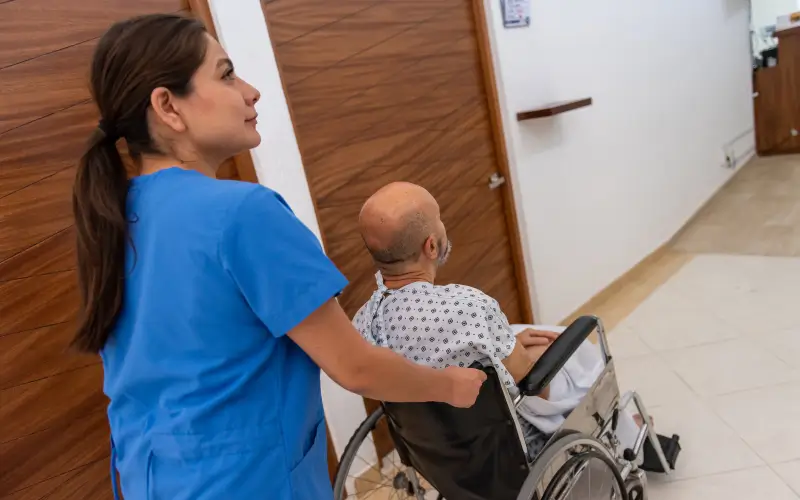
column 568, row 388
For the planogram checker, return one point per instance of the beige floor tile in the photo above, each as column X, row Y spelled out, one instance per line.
column 767, row 419
column 625, row 343
column 726, row 367
column 790, row 473
column 709, row 445
column 754, row 484
column 653, row 380
column 785, row 345
column 667, row 321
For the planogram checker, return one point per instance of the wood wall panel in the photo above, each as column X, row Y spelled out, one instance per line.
column 44, row 403
column 30, row 303
column 38, row 354
column 54, row 254
column 290, row 20
column 45, row 146
column 322, row 94
column 437, row 178
column 53, row 428
column 33, row 90
column 89, row 482
column 31, row 28
column 54, row 451
column 33, row 214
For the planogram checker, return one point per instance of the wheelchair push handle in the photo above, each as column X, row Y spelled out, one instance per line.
column 558, row 353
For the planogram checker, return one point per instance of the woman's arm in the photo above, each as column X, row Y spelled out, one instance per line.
column 329, row 338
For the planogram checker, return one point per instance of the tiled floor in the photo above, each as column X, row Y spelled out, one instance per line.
column 714, row 347
column 757, row 213
column 715, row 352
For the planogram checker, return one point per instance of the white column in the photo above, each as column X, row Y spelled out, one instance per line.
column 243, row 33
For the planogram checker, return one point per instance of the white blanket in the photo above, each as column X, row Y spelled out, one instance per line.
column 568, row 388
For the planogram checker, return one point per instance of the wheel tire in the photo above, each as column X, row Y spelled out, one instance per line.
column 558, row 448
column 576, row 460
column 351, row 451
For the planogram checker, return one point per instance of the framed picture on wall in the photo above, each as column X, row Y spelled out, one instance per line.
column 516, row 13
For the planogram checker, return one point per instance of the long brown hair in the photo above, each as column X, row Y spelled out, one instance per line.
column 132, row 59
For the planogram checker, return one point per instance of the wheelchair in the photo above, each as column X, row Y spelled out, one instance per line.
column 480, row 453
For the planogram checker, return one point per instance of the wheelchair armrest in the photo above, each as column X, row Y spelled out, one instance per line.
column 556, row 356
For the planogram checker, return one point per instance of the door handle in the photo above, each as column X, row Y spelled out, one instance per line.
column 496, row 180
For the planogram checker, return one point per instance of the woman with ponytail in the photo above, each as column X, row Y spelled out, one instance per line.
column 212, row 307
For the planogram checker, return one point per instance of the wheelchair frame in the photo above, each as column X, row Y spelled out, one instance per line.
column 589, row 428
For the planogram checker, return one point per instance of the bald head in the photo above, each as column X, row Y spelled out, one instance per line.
column 397, row 221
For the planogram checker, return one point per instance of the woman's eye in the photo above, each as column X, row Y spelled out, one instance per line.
column 228, row 75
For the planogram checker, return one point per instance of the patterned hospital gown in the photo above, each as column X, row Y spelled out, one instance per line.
column 441, row 326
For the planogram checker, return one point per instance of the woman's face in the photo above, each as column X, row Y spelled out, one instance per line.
column 219, row 113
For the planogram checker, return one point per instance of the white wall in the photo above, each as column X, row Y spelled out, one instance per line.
column 767, row 12
column 243, row 33
column 600, row 188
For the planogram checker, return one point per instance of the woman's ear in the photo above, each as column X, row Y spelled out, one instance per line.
column 164, row 106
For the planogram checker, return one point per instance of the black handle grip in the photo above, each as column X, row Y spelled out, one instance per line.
column 556, row 356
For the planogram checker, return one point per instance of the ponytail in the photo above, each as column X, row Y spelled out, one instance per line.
column 132, row 58
column 99, row 205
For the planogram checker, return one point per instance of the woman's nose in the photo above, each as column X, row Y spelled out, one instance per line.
column 251, row 94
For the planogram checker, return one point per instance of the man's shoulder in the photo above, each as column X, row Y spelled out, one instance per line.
column 463, row 293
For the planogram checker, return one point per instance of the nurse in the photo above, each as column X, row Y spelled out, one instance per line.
column 212, row 306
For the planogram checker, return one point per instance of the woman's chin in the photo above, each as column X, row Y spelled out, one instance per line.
column 251, row 139
column 255, row 138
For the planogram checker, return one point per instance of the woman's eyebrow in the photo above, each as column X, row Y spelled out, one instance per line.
column 225, row 62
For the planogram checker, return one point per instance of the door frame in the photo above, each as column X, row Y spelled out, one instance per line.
column 501, row 153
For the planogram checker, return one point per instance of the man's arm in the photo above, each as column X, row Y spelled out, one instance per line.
column 520, row 362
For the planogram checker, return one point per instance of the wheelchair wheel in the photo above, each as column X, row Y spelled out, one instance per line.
column 575, row 467
column 359, row 476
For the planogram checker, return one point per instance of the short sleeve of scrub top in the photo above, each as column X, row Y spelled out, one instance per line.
column 277, row 262
column 209, row 400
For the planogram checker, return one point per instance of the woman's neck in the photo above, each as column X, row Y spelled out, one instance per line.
column 153, row 164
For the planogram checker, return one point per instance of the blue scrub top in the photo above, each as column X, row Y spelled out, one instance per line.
column 209, row 398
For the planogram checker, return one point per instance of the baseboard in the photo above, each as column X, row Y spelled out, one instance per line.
column 616, row 301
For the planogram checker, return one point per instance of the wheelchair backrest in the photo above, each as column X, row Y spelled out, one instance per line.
column 466, row 454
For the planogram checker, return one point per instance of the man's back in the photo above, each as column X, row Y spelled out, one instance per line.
column 439, row 326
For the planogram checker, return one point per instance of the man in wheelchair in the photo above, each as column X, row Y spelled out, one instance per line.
column 456, row 325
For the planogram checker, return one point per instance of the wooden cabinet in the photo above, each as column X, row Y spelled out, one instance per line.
column 777, row 98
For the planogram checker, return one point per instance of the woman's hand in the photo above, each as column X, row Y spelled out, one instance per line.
column 530, row 337
column 466, row 384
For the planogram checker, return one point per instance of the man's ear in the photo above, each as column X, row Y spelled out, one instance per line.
column 164, row 106
column 429, row 247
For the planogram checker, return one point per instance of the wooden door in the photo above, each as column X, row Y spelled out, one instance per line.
column 383, row 91
column 53, row 431
column 777, row 99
